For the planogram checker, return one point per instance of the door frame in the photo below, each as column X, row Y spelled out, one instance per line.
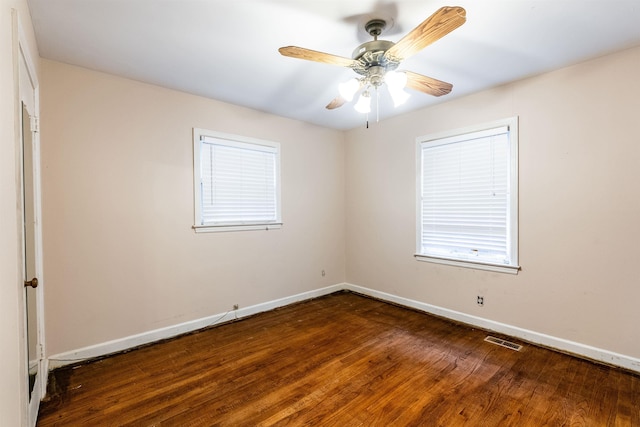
column 29, row 94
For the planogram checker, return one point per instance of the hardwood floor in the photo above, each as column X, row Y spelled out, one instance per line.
column 341, row 360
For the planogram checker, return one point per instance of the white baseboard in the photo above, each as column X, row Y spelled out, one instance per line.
column 560, row 344
column 126, row 343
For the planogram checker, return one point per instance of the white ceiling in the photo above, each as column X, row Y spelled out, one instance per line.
column 228, row 49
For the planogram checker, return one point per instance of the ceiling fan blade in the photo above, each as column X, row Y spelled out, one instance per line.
column 336, row 103
column 427, row 85
column 438, row 25
column 313, row 55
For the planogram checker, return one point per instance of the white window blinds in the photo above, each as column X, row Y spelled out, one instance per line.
column 465, row 197
column 238, row 183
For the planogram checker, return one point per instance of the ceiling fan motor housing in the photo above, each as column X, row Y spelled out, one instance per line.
column 371, row 61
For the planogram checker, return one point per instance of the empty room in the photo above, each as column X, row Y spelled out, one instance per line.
column 332, row 213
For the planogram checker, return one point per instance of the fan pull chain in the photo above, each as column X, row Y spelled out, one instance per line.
column 377, row 105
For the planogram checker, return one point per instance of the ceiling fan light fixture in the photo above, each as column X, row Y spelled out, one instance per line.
column 364, row 103
column 348, row 89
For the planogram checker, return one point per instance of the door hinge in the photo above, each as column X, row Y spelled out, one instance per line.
column 34, row 124
column 41, row 351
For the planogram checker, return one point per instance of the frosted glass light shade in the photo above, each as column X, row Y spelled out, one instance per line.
column 398, row 95
column 348, row 89
column 364, row 103
column 395, row 79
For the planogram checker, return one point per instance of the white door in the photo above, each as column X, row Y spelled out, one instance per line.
column 31, row 237
column 30, row 273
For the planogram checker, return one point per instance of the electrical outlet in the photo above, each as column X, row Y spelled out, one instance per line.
column 236, row 306
column 480, row 300
column 323, row 273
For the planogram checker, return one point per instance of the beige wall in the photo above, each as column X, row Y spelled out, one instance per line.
column 579, row 206
column 121, row 258
column 120, row 255
column 12, row 356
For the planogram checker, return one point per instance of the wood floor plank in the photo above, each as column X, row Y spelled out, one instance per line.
column 345, row 360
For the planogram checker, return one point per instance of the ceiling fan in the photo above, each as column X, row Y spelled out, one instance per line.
column 376, row 61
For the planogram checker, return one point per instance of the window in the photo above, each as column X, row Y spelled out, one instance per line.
column 468, row 197
column 237, row 182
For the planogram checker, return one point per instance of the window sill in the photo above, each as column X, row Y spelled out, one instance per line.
column 499, row 268
column 223, row 228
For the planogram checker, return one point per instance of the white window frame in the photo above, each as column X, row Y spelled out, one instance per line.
column 458, row 135
column 201, row 136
